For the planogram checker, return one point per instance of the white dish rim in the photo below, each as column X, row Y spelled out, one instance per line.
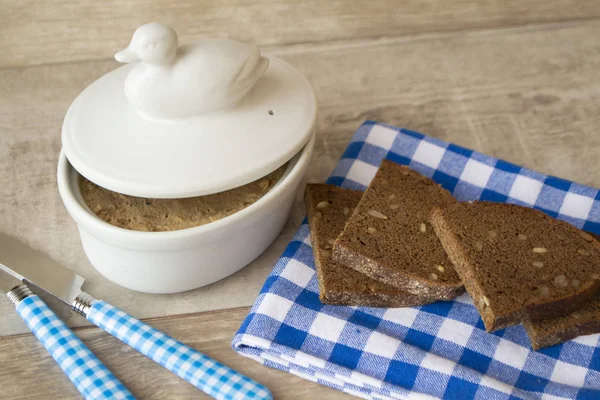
column 88, row 220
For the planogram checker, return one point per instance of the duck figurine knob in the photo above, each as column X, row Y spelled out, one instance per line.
column 170, row 82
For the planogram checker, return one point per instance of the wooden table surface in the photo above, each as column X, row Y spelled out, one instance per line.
column 516, row 79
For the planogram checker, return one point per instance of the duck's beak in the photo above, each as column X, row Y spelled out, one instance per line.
column 126, row 55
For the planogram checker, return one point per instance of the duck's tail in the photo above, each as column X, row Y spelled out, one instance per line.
column 245, row 79
column 263, row 63
column 251, row 70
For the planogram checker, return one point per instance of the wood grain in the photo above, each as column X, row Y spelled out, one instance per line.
column 24, row 357
column 528, row 94
column 37, row 32
column 509, row 93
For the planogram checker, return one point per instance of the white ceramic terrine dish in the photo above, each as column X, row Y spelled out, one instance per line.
column 177, row 261
column 259, row 115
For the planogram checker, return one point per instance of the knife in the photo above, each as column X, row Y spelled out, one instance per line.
column 208, row 375
column 88, row 374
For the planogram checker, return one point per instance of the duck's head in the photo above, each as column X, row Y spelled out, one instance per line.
column 153, row 43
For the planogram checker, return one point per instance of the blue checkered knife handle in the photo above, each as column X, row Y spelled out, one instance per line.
column 88, row 374
column 208, row 375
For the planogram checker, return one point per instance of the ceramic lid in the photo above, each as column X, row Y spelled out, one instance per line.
column 179, row 122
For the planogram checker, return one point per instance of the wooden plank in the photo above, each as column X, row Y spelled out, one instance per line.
column 28, row 372
column 34, row 32
column 513, row 94
column 528, row 95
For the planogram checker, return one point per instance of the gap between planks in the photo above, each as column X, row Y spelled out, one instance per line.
column 411, row 37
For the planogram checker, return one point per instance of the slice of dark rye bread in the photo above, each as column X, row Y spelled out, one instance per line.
column 328, row 209
column 551, row 331
column 518, row 263
column 389, row 238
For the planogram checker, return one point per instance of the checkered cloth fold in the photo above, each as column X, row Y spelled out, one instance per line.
column 440, row 350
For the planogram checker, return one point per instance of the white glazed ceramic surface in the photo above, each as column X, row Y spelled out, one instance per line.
column 203, row 76
column 186, row 121
column 176, row 261
column 181, row 121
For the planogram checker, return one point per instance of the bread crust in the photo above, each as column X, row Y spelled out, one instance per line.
column 389, row 238
column 338, row 284
column 537, row 308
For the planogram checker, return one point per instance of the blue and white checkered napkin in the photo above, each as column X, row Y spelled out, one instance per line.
column 439, row 350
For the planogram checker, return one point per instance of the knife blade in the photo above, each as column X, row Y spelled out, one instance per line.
column 13, row 288
column 32, row 267
column 8, row 282
column 208, row 375
column 88, row 374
